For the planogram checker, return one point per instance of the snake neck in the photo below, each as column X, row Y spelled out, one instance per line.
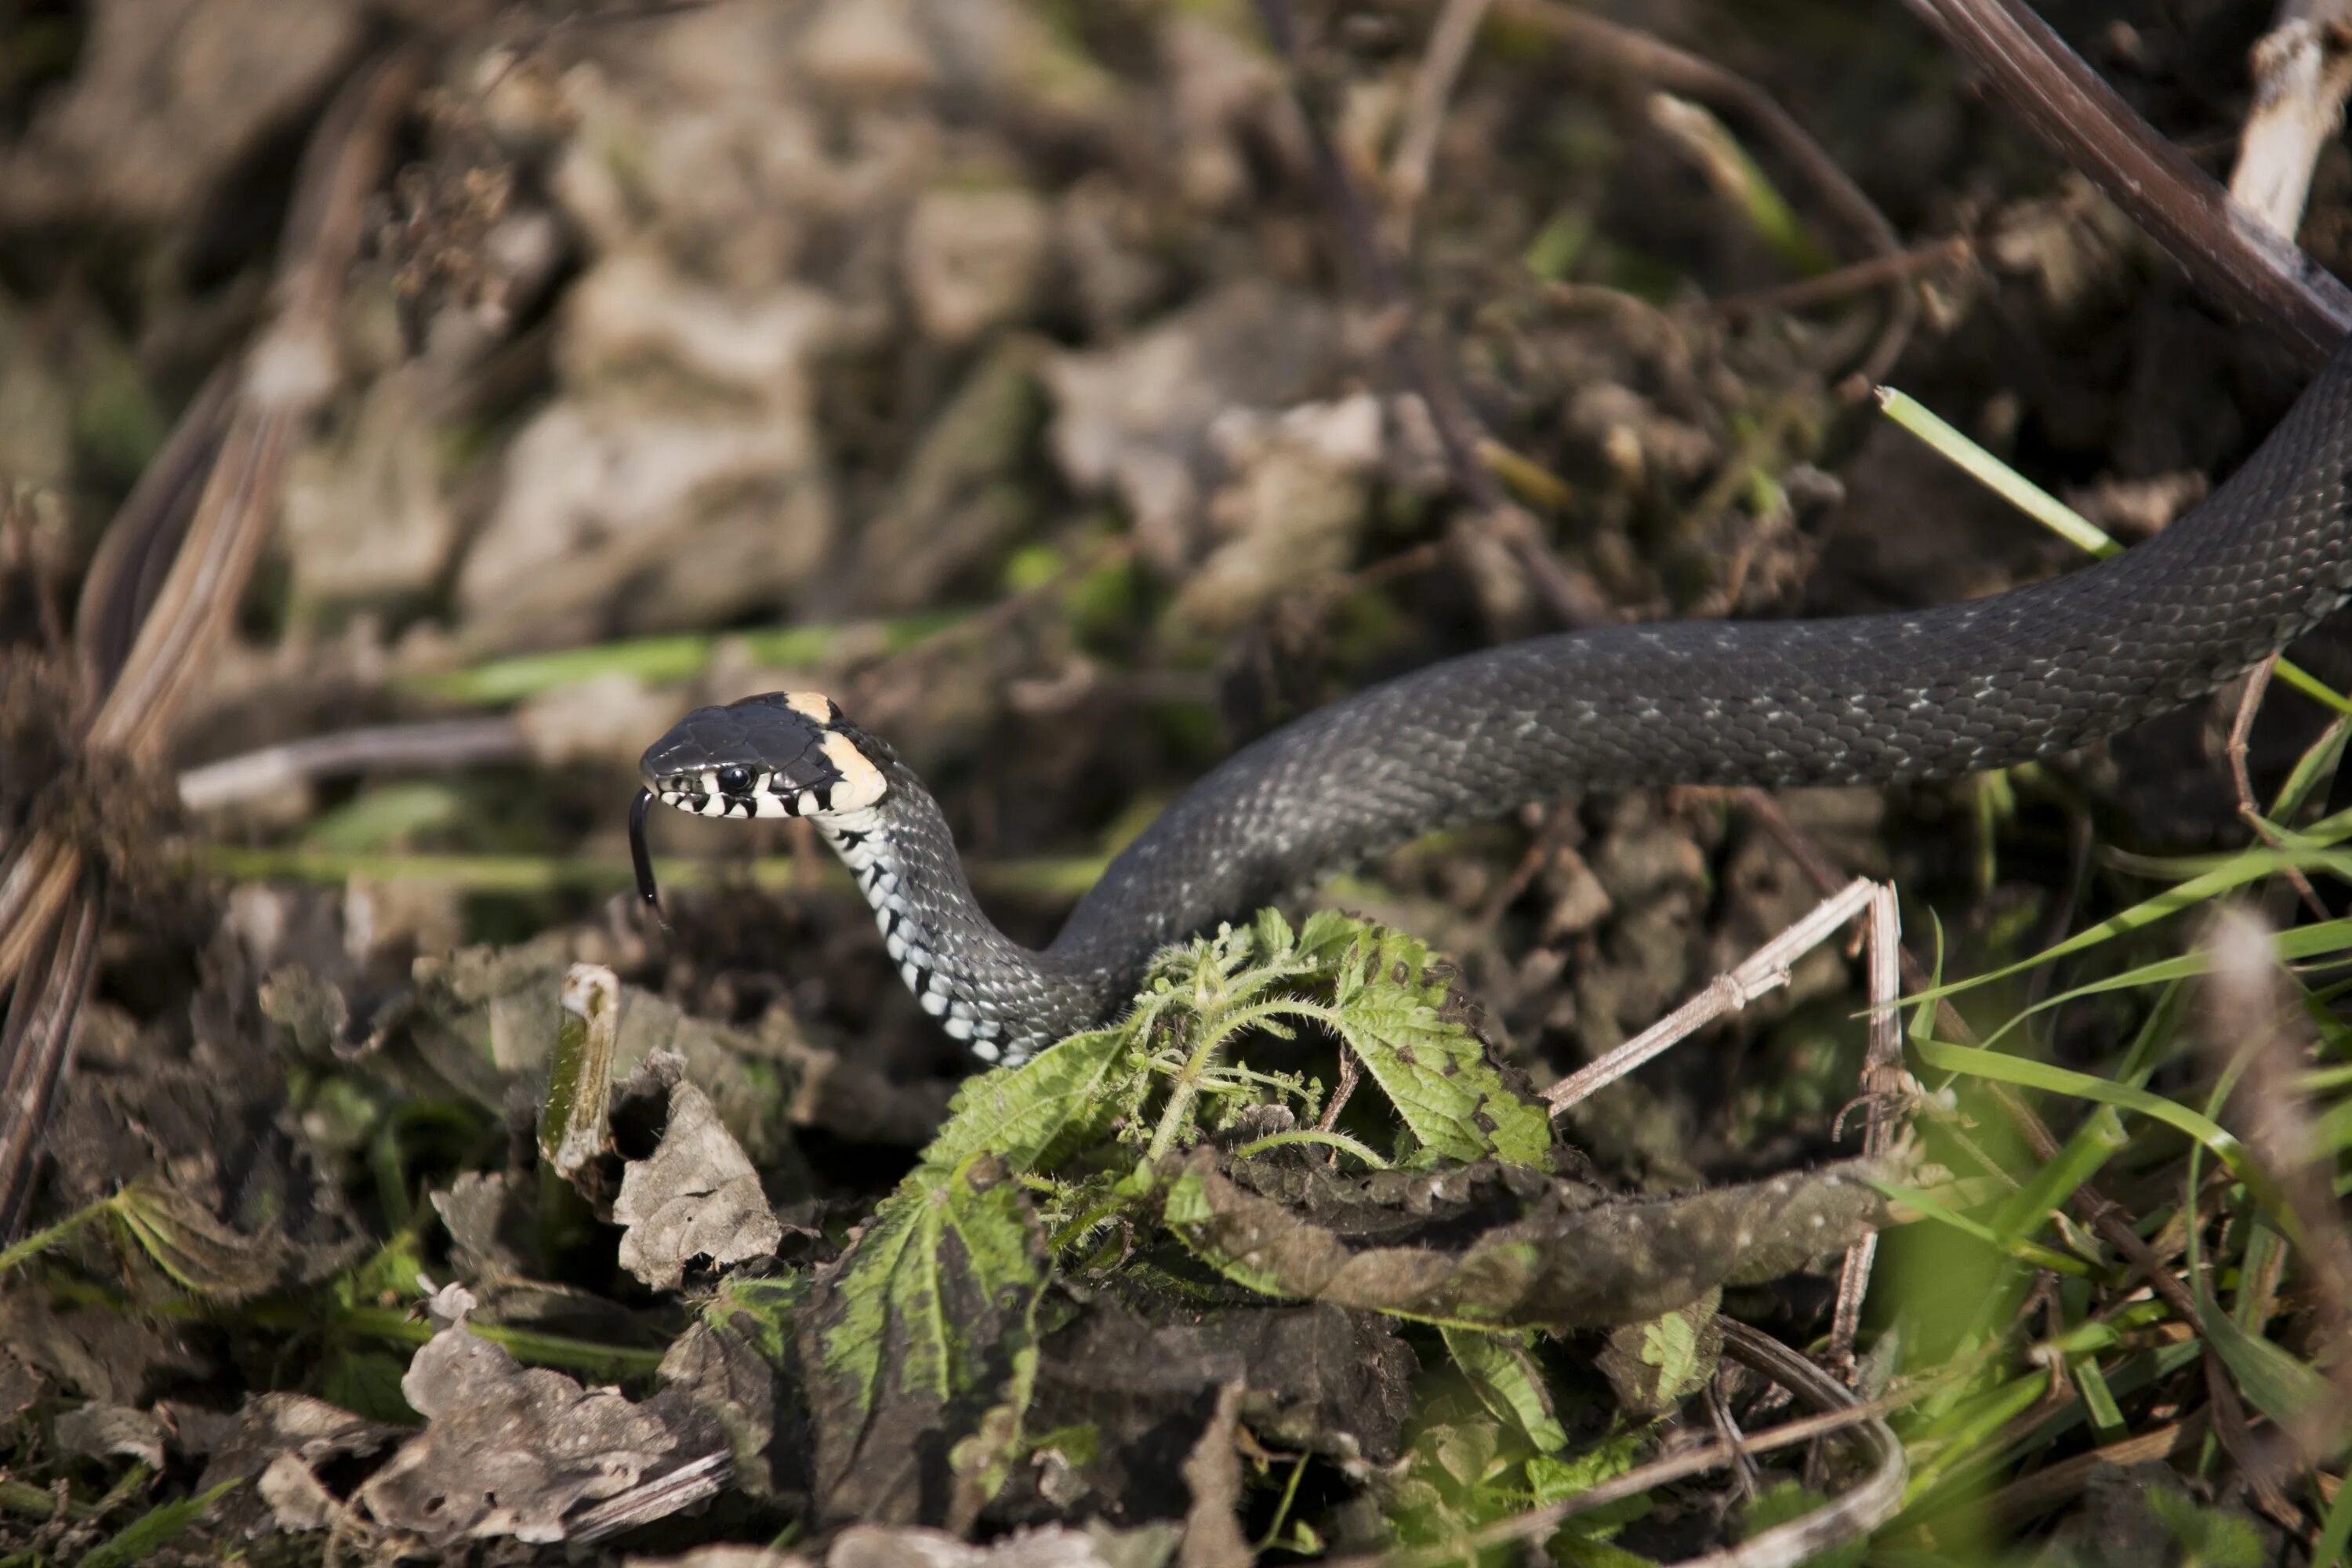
column 1006, row 1000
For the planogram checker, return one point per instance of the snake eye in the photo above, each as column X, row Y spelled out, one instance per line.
column 734, row 780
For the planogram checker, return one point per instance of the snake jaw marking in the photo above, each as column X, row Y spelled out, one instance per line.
column 787, row 754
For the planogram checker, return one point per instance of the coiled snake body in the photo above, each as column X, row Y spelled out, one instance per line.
column 1881, row 698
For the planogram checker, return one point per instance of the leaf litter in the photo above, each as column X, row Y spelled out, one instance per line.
column 1119, row 1250
column 1172, row 1280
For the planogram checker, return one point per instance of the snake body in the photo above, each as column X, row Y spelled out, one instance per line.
column 1881, row 698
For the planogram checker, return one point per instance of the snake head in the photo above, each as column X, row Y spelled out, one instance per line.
column 784, row 754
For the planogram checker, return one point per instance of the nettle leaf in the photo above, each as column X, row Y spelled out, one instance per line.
column 922, row 1326
column 1026, row 1115
column 1387, row 999
column 1458, row 1477
column 1507, row 1380
column 759, row 1309
column 1657, row 1364
column 916, row 1328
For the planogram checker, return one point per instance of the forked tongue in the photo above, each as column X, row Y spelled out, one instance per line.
column 642, row 858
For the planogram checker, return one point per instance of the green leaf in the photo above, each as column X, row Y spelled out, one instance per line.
column 1387, row 996
column 759, row 1309
column 1457, row 1476
column 202, row 1252
column 1508, row 1383
column 916, row 1328
column 1024, row 1115
column 933, row 1254
column 1656, row 1365
column 1583, row 1539
column 1574, row 1550
column 1671, row 1344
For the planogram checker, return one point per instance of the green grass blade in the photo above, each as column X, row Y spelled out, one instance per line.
column 1995, row 475
column 658, row 660
column 2335, row 1533
column 2099, row 1139
column 2251, row 866
column 1976, row 1062
column 2317, row 764
column 1934, row 1208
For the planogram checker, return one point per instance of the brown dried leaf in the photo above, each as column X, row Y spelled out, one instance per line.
column 98, row 1430
column 697, row 1196
column 1212, row 1534
column 283, row 1439
column 507, row 1449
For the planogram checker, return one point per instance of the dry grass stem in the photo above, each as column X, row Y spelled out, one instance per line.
column 284, row 380
column 2241, row 729
column 432, row 745
column 1441, row 64
column 1886, row 1085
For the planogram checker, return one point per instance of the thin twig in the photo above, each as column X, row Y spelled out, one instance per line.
column 2302, row 70
column 1350, row 1072
column 1746, row 1472
column 1441, row 63
column 432, row 746
column 1551, row 837
column 1764, row 970
column 1572, row 600
column 2241, row 729
column 1884, row 1085
column 1829, row 287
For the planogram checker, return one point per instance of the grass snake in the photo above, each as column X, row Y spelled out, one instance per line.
column 1865, row 698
